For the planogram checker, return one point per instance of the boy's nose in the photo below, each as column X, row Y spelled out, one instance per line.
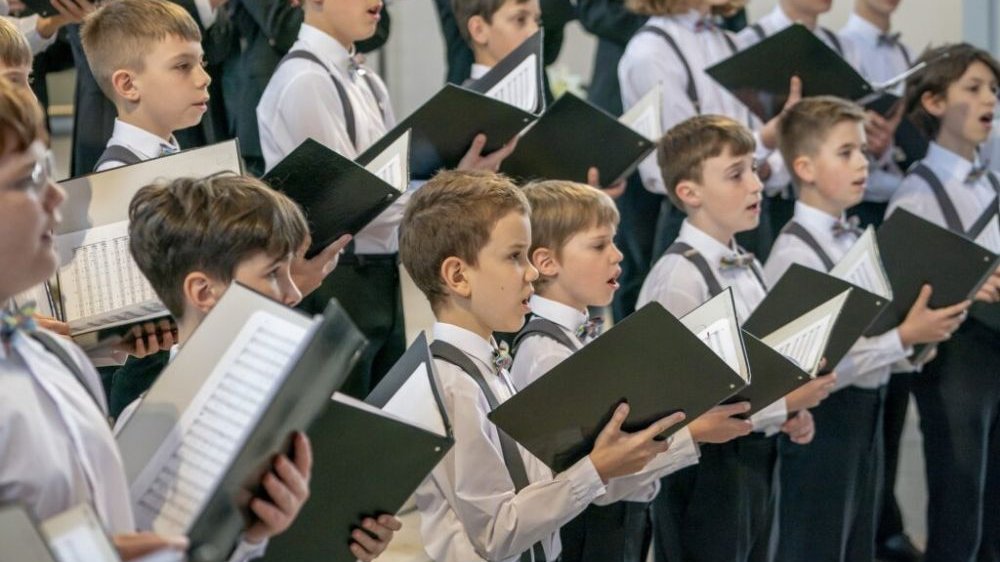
column 531, row 273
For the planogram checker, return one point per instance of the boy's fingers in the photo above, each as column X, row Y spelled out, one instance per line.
column 662, row 425
column 593, row 177
column 924, row 296
column 268, row 513
column 303, row 454
column 292, row 479
column 279, row 493
column 614, row 425
column 365, row 540
column 383, row 533
column 390, row 522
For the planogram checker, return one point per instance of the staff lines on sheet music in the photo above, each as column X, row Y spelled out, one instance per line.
column 519, row 87
column 803, row 347
column 107, row 278
column 391, row 173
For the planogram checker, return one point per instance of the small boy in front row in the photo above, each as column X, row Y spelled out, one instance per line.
column 721, row 509
column 572, row 247
column 832, row 513
column 953, row 102
column 480, row 504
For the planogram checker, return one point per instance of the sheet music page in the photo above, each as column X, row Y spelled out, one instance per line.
column 862, row 266
column 990, row 237
column 520, row 87
column 719, row 337
column 76, row 535
column 714, row 322
column 101, row 284
column 644, row 117
column 415, row 403
column 804, row 339
column 170, row 492
column 393, row 165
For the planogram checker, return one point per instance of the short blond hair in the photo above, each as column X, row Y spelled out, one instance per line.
column 806, row 125
column 453, row 215
column 560, row 209
column 673, row 7
column 120, row 34
column 14, row 48
column 21, row 119
column 682, row 152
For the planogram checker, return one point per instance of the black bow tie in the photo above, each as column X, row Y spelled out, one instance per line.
column 851, row 225
column 889, row 39
column 977, row 172
column 736, row 261
column 590, row 329
column 705, row 24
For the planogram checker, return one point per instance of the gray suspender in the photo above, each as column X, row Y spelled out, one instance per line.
column 508, row 447
column 701, row 264
column 758, row 29
column 117, row 153
column 906, row 54
column 547, row 328
column 948, row 209
column 345, row 101
column 795, row 229
column 63, row 356
column 691, row 90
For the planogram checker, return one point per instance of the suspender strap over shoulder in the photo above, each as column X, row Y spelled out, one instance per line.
column 547, row 328
column 758, row 30
column 948, row 209
column 991, row 211
column 71, row 365
column 834, row 40
column 699, row 261
column 797, row 230
column 692, row 90
column 508, row 447
column 117, row 153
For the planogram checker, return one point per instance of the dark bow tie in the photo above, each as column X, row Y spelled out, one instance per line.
column 590, row 329
column 21, row 319
column 977, row 172
column 736, row 261
column 501, row 357
column 851, row 225
column 888, row 39
column 705, row 24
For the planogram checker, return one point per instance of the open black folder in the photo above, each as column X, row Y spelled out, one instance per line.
column 773, row 375
column 338, row 195
column 371, row 457
column 517, row 79
column 917, row 252
column 444, row 127
column 571, row 137
column 800, row 290
column 759, row 75
column 650, row 359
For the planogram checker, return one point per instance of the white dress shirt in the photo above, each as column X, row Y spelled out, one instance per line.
column 678, row 285
column 28, row 26
column 648, row 60
column 301, row 102
column 538, row 354
column 869, row 362
column 880, row 62
column 144, row 144
column 970, row 199
column 55, row 442
column 777, row 20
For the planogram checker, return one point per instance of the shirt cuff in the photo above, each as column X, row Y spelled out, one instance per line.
column 248, row 551
column 770, row 419
column 585, row 483
column 29, row 26
column 206, row 13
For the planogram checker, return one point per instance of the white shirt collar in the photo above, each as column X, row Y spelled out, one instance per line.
column 948, row 165
column 863, row 28
column 712, row 249
column 328, row 49
column 779, row 19
column 688, row 20
column 564, row 315
column 466, row 341
column 139, row 140
column 814, row 219
column 478, row 71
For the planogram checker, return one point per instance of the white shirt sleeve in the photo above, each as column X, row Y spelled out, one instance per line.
column 206, row 13
column 770, row 419
column 28, row 26
column 645, row 484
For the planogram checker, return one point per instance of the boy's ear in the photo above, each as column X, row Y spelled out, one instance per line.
column 454, row 276
column 804, row 169
column 545, row 262
column 124, row 84
column 201, row 292
column 479, row 30
column 689, row 193
column 935, row 104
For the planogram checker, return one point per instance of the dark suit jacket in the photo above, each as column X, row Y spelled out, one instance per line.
column 614, row 26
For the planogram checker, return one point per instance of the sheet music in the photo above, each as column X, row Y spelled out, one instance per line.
column 519, row 87
column 415, row 403
column 644, row 117
column 101, row 284
column 393, row 165
column 76, row 535
column 990, row 237
column 718, row 336
column 715, row 324
column 862, row 266
column 804, row 339
column 170, row 492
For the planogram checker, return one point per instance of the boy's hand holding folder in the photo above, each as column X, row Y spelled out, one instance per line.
column 619, row 453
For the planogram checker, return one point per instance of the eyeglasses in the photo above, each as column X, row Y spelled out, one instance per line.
column 39, row 177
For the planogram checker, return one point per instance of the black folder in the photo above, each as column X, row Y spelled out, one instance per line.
column 759, row 75
column 917, row 252
column 366, row 464
column 20, row 537
column 43, row 8
column 572, row 136
column 650, row 359
column 772, row 375
column 802, row 289
column 321, row 367
column 987, row 314
column 533, row 45
column 443, row 129
column 338, row 195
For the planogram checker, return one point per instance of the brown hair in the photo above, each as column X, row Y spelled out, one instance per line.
column 453, row 215
column 945, row 66
column 464, row 10
column 14, row 48
column 208, row 224
column 560, row 209
column 121, row 33
column 673, row 7
column 21, row 119
column 682, row 152
column 806, row 125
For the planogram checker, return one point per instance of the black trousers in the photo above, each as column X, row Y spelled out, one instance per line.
column 721, row 509
column 958, row 396
column 639, row 210
column 619, row 532
column 829, row 488
column 897, row 401
column 368, row 289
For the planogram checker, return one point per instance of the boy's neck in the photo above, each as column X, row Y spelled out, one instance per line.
column 719, row 233
column 957, row 144
column 555, row 293
column 703, row 8
column 461, row 316
column 137, row 119
column 865, row 12
column 484, row 58
column 188, row 324
column 807, row 19
column 316, row 20
column 811, row 196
